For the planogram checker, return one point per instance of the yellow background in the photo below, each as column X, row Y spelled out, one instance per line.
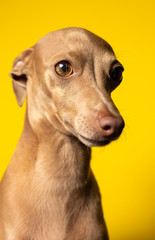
column 125, row 170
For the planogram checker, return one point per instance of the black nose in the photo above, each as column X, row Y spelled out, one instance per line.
column 111, row 127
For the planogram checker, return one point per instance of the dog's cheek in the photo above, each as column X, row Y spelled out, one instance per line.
column 53, row 107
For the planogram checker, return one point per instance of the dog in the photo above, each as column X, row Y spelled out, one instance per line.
column 48, row 191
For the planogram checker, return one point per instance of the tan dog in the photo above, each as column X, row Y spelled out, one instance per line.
column 49, row 191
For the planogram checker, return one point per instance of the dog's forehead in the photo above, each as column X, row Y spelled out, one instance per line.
column 71, row 40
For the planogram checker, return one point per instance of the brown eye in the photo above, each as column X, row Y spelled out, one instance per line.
column 64, row 69
column 116, row 74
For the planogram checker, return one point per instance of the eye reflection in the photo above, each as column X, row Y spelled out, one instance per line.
column 64, row 69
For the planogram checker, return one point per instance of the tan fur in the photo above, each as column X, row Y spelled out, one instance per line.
column 48, row 191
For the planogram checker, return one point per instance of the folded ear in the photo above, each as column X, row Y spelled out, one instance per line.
column 21, row 72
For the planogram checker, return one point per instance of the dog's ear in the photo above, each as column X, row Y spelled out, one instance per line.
column 21, row 72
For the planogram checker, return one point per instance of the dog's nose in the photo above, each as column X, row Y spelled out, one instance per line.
column 111, row 126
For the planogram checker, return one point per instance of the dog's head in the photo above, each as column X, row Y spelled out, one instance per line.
column 68, row 77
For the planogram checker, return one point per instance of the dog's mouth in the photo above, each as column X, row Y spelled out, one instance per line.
column 93, row 142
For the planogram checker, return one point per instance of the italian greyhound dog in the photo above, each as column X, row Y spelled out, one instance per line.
column 48, row 191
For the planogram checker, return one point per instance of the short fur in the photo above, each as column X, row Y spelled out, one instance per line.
column 49, row 191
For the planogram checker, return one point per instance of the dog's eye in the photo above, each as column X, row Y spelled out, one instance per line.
column 64, row 69
column 116, row 74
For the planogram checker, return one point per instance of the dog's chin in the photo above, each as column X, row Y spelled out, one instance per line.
column 93, row 142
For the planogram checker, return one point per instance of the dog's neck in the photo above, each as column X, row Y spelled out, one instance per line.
column 55, row 157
